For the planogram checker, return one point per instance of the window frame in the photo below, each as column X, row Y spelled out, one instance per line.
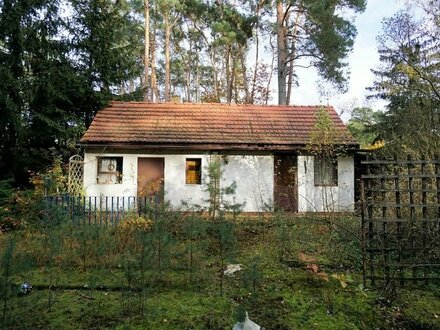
column 117, row 172
column 198, row 170
column 322, row 163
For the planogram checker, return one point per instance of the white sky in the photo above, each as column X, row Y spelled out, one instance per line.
column 363, row 58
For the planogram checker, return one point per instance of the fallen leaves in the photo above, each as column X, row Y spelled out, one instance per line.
column 312, row 266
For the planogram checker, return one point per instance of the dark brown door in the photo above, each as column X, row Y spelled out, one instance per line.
column 285, row 188
column 150, row 176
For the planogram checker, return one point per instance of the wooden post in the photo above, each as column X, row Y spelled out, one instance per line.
column 363, row 234
column 370, row 225
column 424, row 213
column 385, row 252
column 437, row 174
column 412, row 219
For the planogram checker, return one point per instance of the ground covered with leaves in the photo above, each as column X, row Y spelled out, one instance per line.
column 167, row 271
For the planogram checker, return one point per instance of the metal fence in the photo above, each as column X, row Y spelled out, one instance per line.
column 401, row 221
column 99, row 209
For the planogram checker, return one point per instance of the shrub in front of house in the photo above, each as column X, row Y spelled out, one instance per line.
column 132, row 225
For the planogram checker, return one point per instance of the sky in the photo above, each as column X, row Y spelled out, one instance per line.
column 363, row 58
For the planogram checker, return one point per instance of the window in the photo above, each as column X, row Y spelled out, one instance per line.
column 326, row 171
column 109, row 170
column 193, row 171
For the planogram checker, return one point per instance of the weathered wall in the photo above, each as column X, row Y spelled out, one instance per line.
column 126, row 188
column 254, row 178
column 313, row 198
column 253, row 175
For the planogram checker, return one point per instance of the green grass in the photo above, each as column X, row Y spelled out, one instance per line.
column 298, row 273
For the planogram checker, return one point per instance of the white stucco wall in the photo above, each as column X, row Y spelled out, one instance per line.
column 313, row 198
column 253, row 176
column 254, row 179
column 128, row 187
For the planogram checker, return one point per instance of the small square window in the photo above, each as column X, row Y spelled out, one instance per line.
column 193, row 171
column 326, row 171
column 109, row 170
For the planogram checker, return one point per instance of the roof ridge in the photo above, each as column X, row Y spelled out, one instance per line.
column 225, row 104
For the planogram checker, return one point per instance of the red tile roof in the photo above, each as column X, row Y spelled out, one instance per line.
column 141, row 123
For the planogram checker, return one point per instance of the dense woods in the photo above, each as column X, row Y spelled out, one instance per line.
column 408, row 78
column 62, row 60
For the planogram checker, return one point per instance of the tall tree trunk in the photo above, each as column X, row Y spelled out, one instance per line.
column 188, row 84
column 154, row 90
column 167, row 57
column 121, row 89
column 282, row 53
column 197, row 77
column 215, row 75
column 254, row 78
column 289, row 82
column 228, row 76
column 188, row 72
column 146, row 49
column 257, row 53
column 290, row 75
column 247, row 98
column 234, row 77
column 269, row 81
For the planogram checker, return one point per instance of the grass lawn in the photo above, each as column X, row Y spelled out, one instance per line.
column 296, row 273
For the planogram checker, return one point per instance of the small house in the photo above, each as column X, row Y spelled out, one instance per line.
column 139, row 148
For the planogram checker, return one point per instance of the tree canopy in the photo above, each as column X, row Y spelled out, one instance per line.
column 314, row 31
column 62, row 60
column 409, row 79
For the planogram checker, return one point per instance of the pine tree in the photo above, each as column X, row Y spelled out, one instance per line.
column 409, row 80
column 313, row 30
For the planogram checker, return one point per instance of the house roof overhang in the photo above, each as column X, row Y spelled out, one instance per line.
column 209, row 147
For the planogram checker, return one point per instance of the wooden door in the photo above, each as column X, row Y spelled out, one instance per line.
column 150, row 177
column 285, row 183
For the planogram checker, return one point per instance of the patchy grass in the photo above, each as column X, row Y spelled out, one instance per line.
column 297, row 273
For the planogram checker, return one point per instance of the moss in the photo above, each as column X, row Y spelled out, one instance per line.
column 419, row 309
column 289, row 293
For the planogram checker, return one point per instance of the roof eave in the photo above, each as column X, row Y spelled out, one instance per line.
column 207, row 146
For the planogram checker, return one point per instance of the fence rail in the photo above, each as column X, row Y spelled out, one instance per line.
column 101, row 210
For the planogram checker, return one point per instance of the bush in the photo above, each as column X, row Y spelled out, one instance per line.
column 133, row 224
column 128, row 230
column 10, row 208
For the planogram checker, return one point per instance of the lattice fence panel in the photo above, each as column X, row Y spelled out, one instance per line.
column 401, row 221
column 76, row 174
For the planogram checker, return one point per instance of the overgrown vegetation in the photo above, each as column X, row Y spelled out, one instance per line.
column 166, row 271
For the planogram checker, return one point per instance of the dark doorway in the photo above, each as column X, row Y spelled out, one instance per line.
column 285, row 183
column 150, row 177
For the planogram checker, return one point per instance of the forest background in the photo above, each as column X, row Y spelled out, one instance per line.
column 61, row 61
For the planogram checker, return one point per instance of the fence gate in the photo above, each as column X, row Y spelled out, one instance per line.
column 401, row 222
column 76, row 174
